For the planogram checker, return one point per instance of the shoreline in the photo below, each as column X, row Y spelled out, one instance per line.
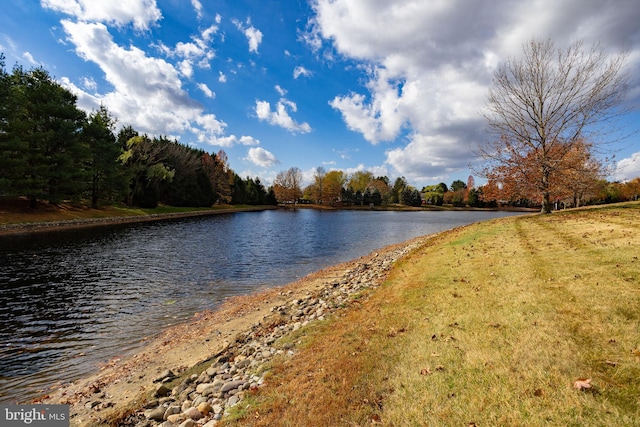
column 19, row 229
column 51, row 226
column 122, row 390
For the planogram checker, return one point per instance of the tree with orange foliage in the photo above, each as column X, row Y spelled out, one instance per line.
column 286, row 185
column 575, row 175
column 542, row 108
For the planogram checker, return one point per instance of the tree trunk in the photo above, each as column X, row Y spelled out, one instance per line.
column 94, row 193
column 547, row 207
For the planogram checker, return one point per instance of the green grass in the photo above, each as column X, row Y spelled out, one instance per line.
column 490, row 324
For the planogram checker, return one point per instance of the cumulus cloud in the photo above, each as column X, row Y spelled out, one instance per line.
column 628, row 168
column 147, row 92
column 253, row 35
column 261, row 157
column 222, row 78
column 205, row 89
column 196, row 52
column 428, row 65
column 301, row 71
column 142, row 13
column 231, row 140
column 280, row 116
column 85, row 100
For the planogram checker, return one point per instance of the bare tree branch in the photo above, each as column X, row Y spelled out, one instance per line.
column 543, row 106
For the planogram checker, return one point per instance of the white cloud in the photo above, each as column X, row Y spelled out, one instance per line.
column 189, row 50
column 429, row 159
column 86, row 101
column 628, row 168
column 301, row 71
column 222, row 78
column 205, row 89
column 197, row 6
column 261, row 157
column 186, row 68
column 196, row 51
column 209, row 32
column 142, row 13
column 280, row 90
column 428, row 65
column 29, row 58
column 147, row 92
column 280, row 117
column 253, row 35
column 255, row 38
column 89, row 83
column 231, row 140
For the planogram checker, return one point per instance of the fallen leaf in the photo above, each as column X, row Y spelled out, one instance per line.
column 582, row 383
column 425, row 371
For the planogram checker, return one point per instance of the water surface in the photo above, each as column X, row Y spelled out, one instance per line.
column 73, row 299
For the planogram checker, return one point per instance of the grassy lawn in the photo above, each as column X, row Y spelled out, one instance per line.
column 490, row 324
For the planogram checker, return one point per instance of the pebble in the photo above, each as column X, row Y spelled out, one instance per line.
column 162, row 391
column 193, row 413
column 203, row 399
column 204, row 408
column 156, row 414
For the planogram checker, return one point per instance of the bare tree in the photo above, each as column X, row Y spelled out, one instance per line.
column 287, row 185
column 542, row 105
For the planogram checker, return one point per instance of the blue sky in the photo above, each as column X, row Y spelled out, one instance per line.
column 392, row 87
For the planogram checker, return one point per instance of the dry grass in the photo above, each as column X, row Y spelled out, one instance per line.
column 490, row 324
column 17, row 211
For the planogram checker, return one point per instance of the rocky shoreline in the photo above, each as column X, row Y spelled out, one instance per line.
column 203, row 393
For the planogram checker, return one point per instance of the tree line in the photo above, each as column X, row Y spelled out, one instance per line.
column 52, row 150
column 337, row 188
column 363, row 188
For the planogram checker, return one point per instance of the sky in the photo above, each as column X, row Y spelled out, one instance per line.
column 394, row 87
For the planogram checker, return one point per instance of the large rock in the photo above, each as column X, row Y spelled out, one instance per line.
column 201, row 388
column 156, row 414
column 232, row 385
column 193, row 413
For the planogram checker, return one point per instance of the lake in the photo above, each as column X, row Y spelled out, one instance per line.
column 73, row 299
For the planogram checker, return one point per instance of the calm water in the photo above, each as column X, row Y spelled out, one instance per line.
column 74, row 299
